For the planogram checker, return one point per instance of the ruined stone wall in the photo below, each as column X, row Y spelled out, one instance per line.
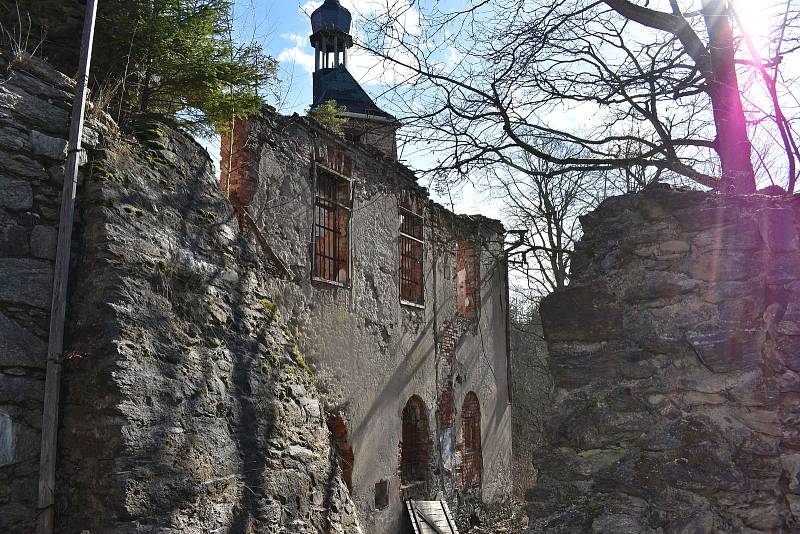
column 35, row 102
column 186, row 406
column 372, row 353
column 675, row 355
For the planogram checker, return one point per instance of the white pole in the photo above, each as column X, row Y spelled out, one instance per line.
column 55, row 345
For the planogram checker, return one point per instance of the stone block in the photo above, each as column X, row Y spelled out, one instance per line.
column 13, row 240
column 47, row 146
column 657, row 285
column 20, row 165
column 694, row 219
column 731, row 350
column 581, row 313
column 26, row 281
column 35, row 111
column 741, row 235
column 44, row 240
column 19, row 347
column 718, row 267
column 617, row 524
column 7, row 439
column 782, row 267
column 16, row 195
column 777, row 228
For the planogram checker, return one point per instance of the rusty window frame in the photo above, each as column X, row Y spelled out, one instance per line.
column 332, row 224
column 411, row 249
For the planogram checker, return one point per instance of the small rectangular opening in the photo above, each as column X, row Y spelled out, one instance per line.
column 381, row 494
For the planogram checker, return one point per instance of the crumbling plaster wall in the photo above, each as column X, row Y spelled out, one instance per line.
column 370, row 353
column 186, row 406
column 674, row 351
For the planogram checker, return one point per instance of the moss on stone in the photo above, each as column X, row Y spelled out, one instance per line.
column 208, row 216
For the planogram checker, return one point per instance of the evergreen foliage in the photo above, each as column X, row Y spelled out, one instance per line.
column 328, row 114
column 177, row 58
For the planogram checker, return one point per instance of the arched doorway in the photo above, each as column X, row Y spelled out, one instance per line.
column 341, row 445
column 471, row 453
column 415, row 445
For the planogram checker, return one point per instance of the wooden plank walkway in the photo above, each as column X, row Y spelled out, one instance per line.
column 431, row 517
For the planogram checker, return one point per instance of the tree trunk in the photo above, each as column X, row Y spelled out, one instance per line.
column 733, row 144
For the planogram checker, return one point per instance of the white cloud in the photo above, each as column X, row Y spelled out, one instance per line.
column 300, row 53
column 309, row 6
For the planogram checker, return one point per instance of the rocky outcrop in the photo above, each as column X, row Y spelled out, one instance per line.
column 186, row 406
column 674, row 352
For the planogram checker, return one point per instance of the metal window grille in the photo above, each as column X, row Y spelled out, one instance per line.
column 411, row 256
column 331, row 242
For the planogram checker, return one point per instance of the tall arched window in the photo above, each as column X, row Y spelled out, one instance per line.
column 415, row 447
column 472, row 456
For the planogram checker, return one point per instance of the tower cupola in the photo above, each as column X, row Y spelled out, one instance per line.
column 366, row 122
column 330, row 26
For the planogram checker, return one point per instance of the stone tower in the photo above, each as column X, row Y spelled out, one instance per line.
column 331, row 39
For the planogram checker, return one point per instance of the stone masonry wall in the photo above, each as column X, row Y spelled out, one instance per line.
column 186, row 406
column 35, row 102
column 676, row 356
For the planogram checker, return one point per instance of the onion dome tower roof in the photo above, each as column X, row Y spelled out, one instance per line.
column 331, row 16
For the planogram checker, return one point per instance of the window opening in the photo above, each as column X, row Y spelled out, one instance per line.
column 466, row 279
column 412, row 288
column 381, row 494
column 342, row 447
column 332, row 209
column 415, row 446
column 472, row 454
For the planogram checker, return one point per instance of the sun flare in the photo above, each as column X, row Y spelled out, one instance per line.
column 756, row 18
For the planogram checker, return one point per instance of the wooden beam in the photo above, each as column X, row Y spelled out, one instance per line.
column 55, row 344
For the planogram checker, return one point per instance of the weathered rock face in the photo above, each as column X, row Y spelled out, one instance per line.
column 675, row 356
column 185, row 404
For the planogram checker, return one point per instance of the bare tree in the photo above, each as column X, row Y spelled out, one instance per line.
column 657, row 83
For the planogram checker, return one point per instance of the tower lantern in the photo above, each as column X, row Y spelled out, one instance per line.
column 366, row 123
column 330, row 24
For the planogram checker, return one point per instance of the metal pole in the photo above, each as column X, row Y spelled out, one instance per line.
column 55, row 345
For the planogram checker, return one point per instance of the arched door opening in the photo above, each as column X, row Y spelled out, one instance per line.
column 471, row 452
column 344, row 451
column 415, row 446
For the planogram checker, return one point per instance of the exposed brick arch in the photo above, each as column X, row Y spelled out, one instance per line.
column 471, row 449
column 415, row 445
column 342, row 447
